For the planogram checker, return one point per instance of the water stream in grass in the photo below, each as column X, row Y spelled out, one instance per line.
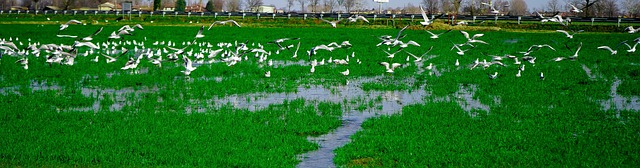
column 358, row 106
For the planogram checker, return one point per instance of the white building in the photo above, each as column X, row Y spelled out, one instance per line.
column 264, row 9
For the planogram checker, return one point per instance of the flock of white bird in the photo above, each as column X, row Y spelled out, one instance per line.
column 116, row 46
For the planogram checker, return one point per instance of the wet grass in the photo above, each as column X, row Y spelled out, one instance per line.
column 166, row 118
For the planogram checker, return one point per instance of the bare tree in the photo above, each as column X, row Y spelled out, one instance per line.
column 290, row 4
column 608, row 8
column 348, row 4
column 446, row 6
column 302, row 5
column 233, row 5
column 253, row 5
column 328, row 5
column 632, row 7
column 411, row 9
column 314, row 5
column 218, row 5
column 431, row 6
column 518, row 7
column 553, row 6
column 472, row 7
column 456, row 5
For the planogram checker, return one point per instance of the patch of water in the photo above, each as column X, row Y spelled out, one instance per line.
column 618, row 102
column 590, row 72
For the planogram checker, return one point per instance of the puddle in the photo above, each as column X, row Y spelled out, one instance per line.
column 511, row 41
column 590, row 72
column 618, row 102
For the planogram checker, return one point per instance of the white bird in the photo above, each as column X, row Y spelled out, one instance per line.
column 24, row 61
column 345, row 73
column 224, row 22
column 391, row 67
column 188, row 66
column 333, row 23
column 631, row 49
column 391, row 55
column 457, row 63
column 295, row 54
column 541, row 76
column 495, row 75
column 355, row 18
column 435, row 36
column 267, row 74
column 65, row 25
column 426, row 22
column 460, row 51
column 570, row 36
column 575, row 9
column 430, row 67
column 519, row 73
column 574, row 56
column 90, row 37
column 418, row 59
column 613, row 52
column 199, row 34
column 631, row 30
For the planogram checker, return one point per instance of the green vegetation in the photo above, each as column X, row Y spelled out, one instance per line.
column 95, row 114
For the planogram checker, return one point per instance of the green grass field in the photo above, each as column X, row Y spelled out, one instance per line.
column 95, row 114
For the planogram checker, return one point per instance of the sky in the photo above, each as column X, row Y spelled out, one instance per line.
column 397, row 3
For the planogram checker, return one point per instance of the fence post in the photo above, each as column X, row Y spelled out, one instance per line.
column 151, row 14
column 215, row 15
column 474, row 19
column 243, row 15
column 175, row 14
column 273, row 16
column 374, row 17
column 339, row 15
column 45, row 12
column 139, row 13
column 619, row 20
column 163, row 13
column 258, row 16
column 519, row 19
column 496, row 20
column 412, row 16
column 201, row 14
column 94, row 13
column 36, row 12
column 288, row 16
column 229, row 15
column 188, row 14
column 305, row 16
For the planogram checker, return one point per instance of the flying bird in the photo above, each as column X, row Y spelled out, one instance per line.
column 333, row 23
column 224, row 22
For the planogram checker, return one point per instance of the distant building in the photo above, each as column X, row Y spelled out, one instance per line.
column 264, row 9
column 108, row 6
column 19, row 8
column 51, row 8
column 169, row 8
column 194, row 8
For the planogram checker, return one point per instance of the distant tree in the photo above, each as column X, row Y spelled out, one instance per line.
column 233, row 5
column 553, row 6
column 456, row 5
column 328, row 5
column 68, row 4
column 209, row 6
column 314, row 5
column 218, row 5
column 290, row 4
column 631, row 7
column 36, row 3
column 446, row 6
column 431, row 6
column 180, row 5
column 157, row 4
column 302, row 5
column 518, row 8
column 608, row 8
column 348, row 4
column 253, row 4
